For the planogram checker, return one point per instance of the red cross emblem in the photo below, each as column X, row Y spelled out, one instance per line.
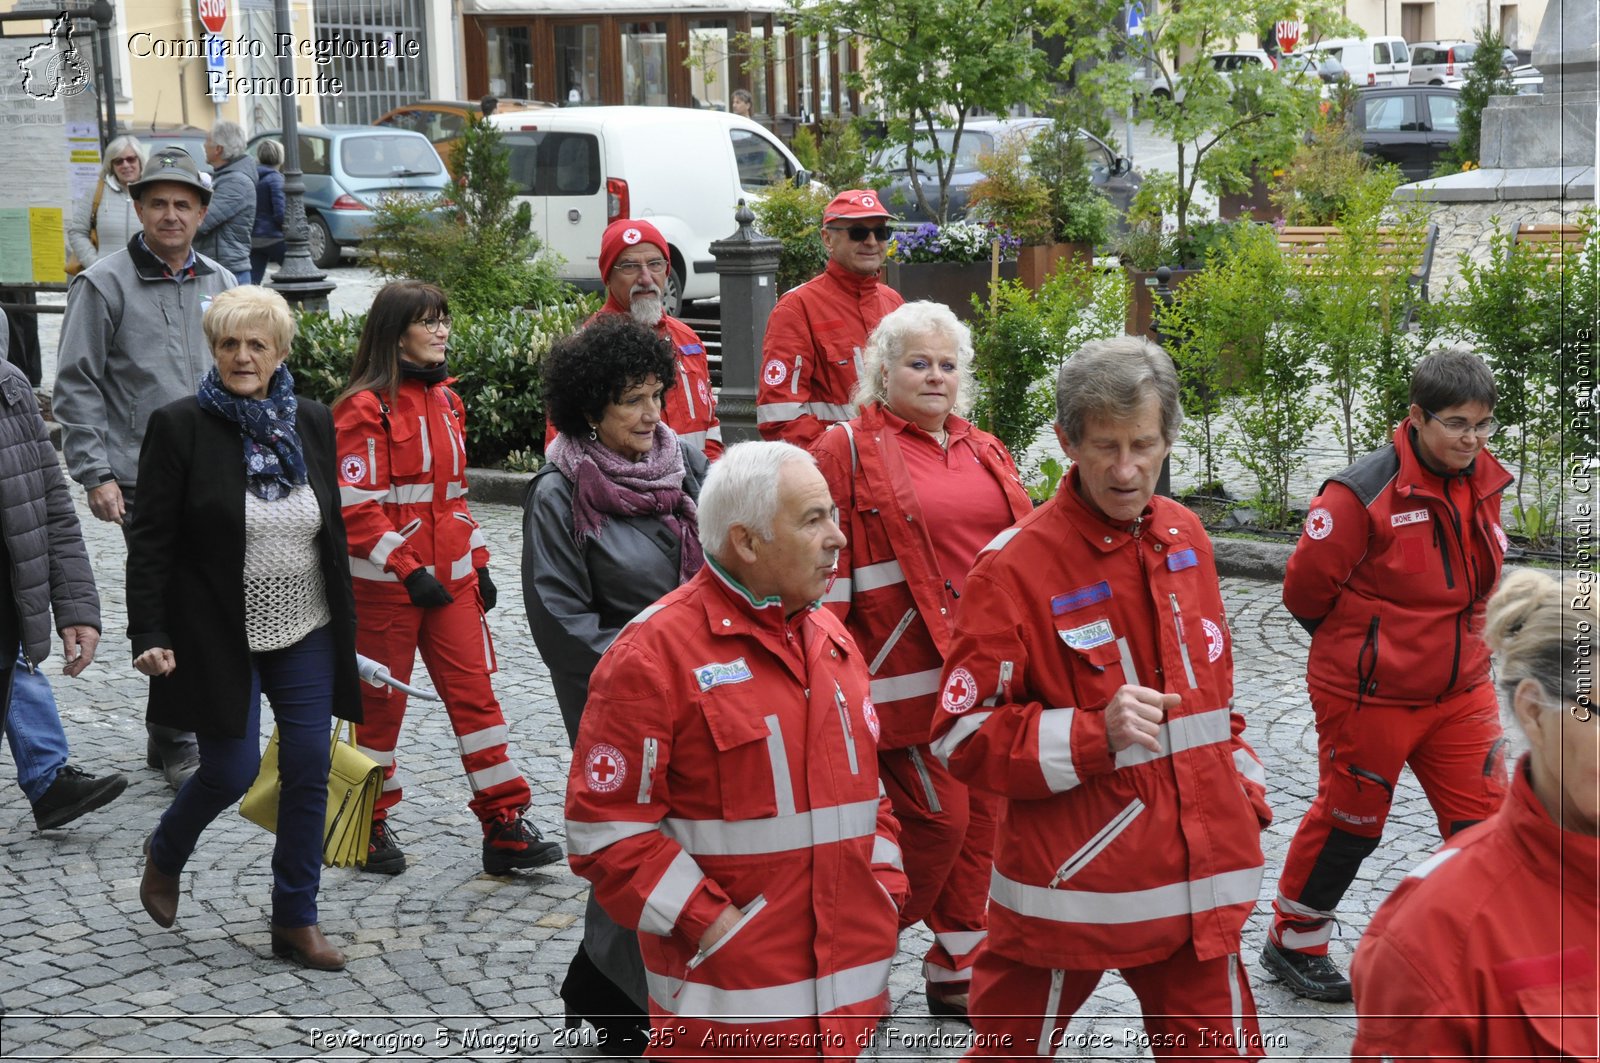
column 605, row 768
column 960, row 691
column 1319, row 523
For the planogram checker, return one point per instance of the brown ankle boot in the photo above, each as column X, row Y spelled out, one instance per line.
column 158, row 891
column 307, row 947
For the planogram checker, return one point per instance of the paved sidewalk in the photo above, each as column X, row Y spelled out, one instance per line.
column 446, row 962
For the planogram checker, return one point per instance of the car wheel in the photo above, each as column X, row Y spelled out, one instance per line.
column 324, row 252
column 1162, row 94
column 673, row 303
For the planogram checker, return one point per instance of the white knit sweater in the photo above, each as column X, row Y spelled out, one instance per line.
column 285, row 598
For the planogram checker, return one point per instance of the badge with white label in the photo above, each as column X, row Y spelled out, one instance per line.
column 1416, row 516
column 715, row 675
column 1089, row 636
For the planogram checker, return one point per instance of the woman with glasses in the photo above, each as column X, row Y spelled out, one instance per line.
column 421, row 568
column 1487, row 949
column 105, row 218
column 1399, row 555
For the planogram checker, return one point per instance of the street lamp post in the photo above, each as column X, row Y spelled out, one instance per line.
column 298, row 279
column 102, row 13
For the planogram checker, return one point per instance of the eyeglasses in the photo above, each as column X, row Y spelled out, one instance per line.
column 859, row 233
column 435, row 325
column 657, row 266
column 133, row 159
column 1460, row 426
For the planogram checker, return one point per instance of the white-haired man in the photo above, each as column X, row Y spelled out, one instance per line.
column 225, row 231
column 724, row 795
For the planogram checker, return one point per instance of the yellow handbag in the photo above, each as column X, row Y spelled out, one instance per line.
column 354, row 781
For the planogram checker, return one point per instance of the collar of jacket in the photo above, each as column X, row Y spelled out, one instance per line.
column 1484, row 476
column 1105, row 535
column 850, row 280
column 957, row 427
column 151, row 268
column 1571, row 858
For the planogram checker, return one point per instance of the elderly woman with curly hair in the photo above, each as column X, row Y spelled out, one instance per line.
column 609, row 527
column 920, row 491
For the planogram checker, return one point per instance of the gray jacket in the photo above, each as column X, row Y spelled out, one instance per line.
column 224, row 232
column 114, row 225
column 579, row 598
column 49, row 564
column 130, row 343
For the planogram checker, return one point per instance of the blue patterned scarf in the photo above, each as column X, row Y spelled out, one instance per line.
column 273, row 460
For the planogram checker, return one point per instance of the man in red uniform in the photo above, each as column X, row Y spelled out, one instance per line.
column 811, row 356
column 1090, row 683
column 1399, row 554
column 724, row 795
column 634, row 263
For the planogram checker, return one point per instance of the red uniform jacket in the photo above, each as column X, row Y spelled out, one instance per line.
column 691, row 409
column 890, row 591
column 1488, row 949
column 403, row 485
column 1392, row 573
column 1104, row 860
column 812, row 353
column 728, row 755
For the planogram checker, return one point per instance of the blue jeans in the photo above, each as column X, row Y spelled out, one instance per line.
column 242, row 276
column 33, row 727
column 298, row 680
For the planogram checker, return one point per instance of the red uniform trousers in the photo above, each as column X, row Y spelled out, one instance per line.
column 947, row 844
column 1193, row 1009
column 1456, row 749
column 456, row 648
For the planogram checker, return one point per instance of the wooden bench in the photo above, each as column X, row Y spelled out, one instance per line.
column 1309, row 245
column 1550, row 242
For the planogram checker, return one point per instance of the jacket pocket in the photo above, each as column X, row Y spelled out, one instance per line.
column 1098, row 844
column 408, row 446
column 752, row 762
column 1099, row 660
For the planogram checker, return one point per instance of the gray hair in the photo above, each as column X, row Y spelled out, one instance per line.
column 229, row 137
column 1544, row 630
column 118, row 145
column 1113, row 378
column 269, row 153
column 742, row 488
column 888, row 342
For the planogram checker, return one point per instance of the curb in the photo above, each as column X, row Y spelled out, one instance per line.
column 498, row 486
column 1249, row 559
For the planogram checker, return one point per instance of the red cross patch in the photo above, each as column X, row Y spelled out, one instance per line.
column 605, row 767
column 1319, row 523
column 774, row 373
column 632, row 236
column 870, row 712
column 353, row 467
column 960, row 691
column 1214, row 643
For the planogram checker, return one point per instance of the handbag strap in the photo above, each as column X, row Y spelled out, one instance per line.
column 94, row 213
column 339, row 724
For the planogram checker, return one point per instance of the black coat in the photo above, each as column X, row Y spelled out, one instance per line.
column 186, row 566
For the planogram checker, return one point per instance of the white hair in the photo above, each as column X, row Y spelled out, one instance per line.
column 888, row 342
column 229, row 136
column 742, row 488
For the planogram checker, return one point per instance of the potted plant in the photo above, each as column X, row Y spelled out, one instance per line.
column 950, row 263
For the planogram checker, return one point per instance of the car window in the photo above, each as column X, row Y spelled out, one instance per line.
column 1442, row 114
column 1399, row 51
column 760, row 163
column 443, row 125
column 401, row 120
column 1380, row 53
column 313, row 154
column 1390, row 114
column 386, row 155
column 1422, row 55
column 1463, row 53
column 553, row 163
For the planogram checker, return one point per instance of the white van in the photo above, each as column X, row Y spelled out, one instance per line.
column 683, row 170
column 1370, row 60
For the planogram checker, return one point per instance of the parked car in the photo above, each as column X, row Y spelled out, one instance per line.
column 191, row 139
column 1313, row 68
column 683, row 169
column 442, row 121
column 1409, row 125
column 1381, row 60
column 1441, row 62
column 349, row 169
column 1112, row 173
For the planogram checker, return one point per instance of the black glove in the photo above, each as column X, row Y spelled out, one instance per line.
column 487, row 590
column 427, row 591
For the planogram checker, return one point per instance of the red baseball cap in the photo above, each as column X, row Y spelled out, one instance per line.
column 623, row 234
column 855, row 203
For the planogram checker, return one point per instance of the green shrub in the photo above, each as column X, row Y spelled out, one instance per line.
column 1486, row 77
column 794, row 217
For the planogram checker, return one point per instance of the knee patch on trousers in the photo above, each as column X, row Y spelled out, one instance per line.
column 1335, row 869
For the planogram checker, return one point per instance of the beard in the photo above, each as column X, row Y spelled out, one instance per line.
column 647, row 309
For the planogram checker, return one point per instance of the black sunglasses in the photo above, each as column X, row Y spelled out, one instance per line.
column 859, row 233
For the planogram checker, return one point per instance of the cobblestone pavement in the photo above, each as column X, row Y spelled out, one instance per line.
column 446, row 962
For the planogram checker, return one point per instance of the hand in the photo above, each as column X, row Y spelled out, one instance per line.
column 427, row 591
column 718, row 929
column 487, row 590
column 1133, row 718
column 156, row 661
column 78, row 643
column 105, row 502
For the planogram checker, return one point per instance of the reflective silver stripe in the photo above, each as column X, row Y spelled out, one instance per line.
column 455, row 489
column 646, row 614
column 782, row 785
column 873, row 577
column 1097, row 845
column 756, row 837
column 963, row 730
column 462, row 567
column 894, row 637
column 392, row 783
column 372, row 460
column 697, row 440
column 1130, row 674
column 829, row 411
column 361, row 568
column 751, row 910
column 1000, row 540
column 1055, row 749
column 1052, row 1004
column 1183, row 643
column 1249, row 767
column 355, row 496
column 388, row 543
column 647, row 774
column 427, row 448
column 775, row 412
column 493, row 775
column 779, row 1003
column 926, row 779
column 476, row 539
column 838, row 591
column 794, row 378
column 848, row 731
column 715, row 432
column 672, row 891
column 1302, row 911
column 1177, row 735
column 1428, row 866
column 585, row 839
column 1235, row 999
column 409, row 494
column 932, row 972
column 478, row 741
column 910, row 685
column 960, row 942
column 381, row 757
column 885, row 851
column 1306, row 939
column 1135, row 906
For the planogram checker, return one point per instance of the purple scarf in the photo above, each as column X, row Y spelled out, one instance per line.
column 606, row 485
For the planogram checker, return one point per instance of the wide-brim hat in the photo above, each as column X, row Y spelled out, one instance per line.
column 175, row 165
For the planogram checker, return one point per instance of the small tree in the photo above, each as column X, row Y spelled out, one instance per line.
column 838, row 158
column 793, row 216
column 1486, row 78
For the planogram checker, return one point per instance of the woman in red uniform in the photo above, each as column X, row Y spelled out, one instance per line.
column 920, row 491
column 1488, row 949
column 421, row 569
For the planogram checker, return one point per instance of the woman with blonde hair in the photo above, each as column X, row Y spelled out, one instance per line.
column 104, row 220
column 1487, row 950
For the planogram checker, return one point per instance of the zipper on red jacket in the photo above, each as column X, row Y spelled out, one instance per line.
column 1364, row 672
column 844, row 721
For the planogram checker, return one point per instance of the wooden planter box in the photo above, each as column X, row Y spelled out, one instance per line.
column 1141, row 303
column 1255, row 203
column 1036, row 262
column 951, row 283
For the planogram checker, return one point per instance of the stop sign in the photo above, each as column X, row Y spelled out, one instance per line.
column 213, row 14
column 1288, row 34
